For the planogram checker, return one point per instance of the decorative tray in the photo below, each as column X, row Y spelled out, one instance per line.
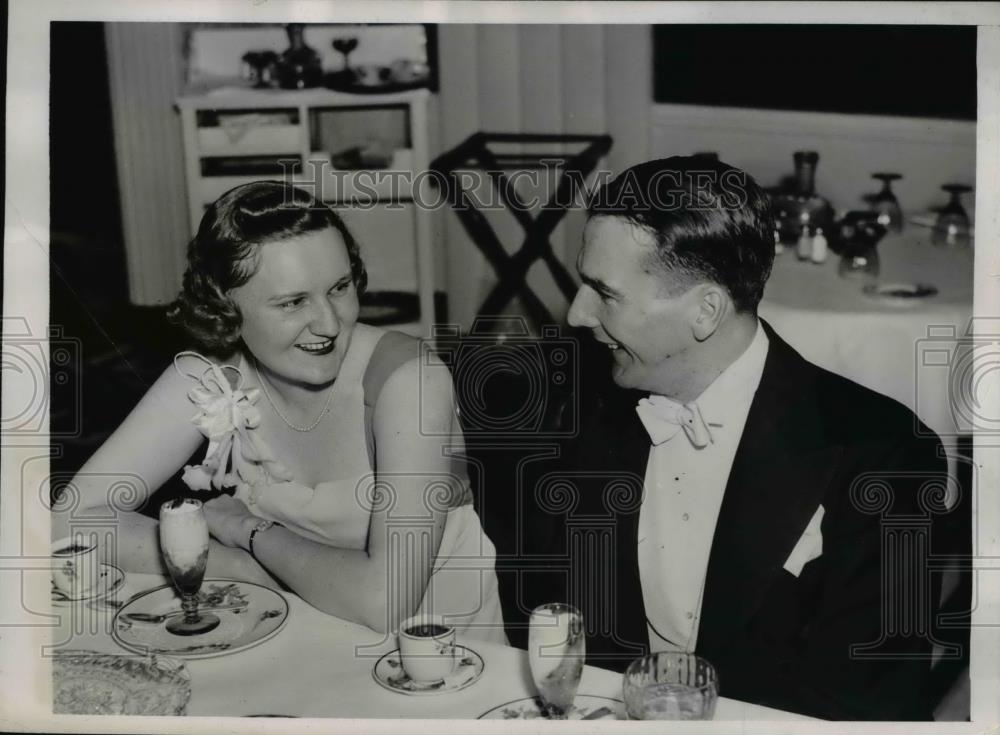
column 90, row 683
column 338, row 82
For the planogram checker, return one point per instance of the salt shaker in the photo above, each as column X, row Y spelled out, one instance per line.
column 805, row 247
column 819, row 246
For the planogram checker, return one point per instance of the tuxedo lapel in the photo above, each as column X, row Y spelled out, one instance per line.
column 613, row 460
column 633, row 453
column 782, row 466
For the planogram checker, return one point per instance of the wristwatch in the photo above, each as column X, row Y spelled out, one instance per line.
column 262, row 525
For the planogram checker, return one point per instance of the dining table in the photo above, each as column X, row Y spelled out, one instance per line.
column 319, row 666
column 903, row 346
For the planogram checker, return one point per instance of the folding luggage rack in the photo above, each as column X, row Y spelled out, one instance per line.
column 512, row 269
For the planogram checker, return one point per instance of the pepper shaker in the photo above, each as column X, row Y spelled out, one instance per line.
column 819, row 246
column 805, row 246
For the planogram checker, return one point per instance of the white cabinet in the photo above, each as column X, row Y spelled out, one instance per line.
column 360, row 153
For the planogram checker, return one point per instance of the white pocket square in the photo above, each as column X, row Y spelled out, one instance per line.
column 809, row 547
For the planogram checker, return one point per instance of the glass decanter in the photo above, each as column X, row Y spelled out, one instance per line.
column 802, row 206
column 300, row 66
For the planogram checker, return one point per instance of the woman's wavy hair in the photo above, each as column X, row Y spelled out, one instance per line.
column 225, row 255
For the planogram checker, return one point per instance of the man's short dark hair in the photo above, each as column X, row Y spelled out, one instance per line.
column 710, row 221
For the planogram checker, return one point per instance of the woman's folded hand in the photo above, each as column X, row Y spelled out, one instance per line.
column 229, row 520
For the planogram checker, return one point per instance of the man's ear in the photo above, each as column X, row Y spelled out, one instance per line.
column 713, row 305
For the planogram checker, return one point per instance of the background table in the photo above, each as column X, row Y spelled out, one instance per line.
column 320, row 666
column 879, row 343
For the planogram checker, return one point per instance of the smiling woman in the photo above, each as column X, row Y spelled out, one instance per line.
column 299, row 311
column 335, row 485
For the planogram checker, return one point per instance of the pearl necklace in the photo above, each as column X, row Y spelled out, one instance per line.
column 289, row 424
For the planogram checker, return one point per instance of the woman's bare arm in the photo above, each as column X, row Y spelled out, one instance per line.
column 149, row 447
column 385, row 583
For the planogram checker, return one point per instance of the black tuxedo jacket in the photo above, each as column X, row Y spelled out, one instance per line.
column 849, row 638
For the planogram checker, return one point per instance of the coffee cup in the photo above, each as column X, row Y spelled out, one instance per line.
column 427, row 648
column 75, row 565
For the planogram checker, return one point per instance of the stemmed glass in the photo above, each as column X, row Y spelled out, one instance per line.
column 890, row 214
column 260, row 67
column 345, row 46
column 556, row 645
column 858, row 234
column 953, row 224
column 184, row 543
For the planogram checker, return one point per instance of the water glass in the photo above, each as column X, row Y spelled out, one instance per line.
column 556, row 643
column 860, row 266
column 670, row 686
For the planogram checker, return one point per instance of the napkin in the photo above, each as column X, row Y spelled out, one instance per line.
column 809, row 546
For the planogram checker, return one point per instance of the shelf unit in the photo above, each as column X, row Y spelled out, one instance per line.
column 234, row 136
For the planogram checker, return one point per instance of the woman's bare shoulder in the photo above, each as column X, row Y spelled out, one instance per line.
column 419, row 386
column 170, row 394
column 194, row 367
column 191, row 360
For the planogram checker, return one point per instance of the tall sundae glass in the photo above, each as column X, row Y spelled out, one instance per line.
column 184, row 544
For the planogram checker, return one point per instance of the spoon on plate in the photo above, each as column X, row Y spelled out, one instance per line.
column 141, row 617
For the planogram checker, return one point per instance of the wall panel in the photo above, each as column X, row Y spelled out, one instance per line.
column 146, row 72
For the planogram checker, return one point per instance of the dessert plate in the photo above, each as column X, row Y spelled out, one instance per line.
column 109, row 579
column 900, row 292
column 249, row 613
column 90, row 683
column 929, row 219
column 389, row 673
column 585, row 707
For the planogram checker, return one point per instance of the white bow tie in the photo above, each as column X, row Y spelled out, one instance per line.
column 663, row 418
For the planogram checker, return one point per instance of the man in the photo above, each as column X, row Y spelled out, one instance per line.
column 733, row 499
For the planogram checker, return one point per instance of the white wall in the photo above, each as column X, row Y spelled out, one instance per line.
column 146, row 70
column 599, row 79
column 525, row 78
column 538, row 79
column 927, row 152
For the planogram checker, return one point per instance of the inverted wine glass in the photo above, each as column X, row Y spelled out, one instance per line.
column 890, row 214
column 953, row 226
column 184, row 544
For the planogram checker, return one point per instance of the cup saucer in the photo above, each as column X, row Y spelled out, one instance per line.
column 110, row 578
column 389, row 673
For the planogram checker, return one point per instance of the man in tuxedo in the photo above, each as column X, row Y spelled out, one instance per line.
column 730, row 498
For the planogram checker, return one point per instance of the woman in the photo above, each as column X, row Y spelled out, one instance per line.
column 335, row 437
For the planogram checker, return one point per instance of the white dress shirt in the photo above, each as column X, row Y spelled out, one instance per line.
column 682, row 496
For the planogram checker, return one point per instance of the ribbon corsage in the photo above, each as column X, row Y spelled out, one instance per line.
column 226, row 417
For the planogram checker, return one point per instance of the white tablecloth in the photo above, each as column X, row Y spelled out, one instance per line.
column 321, row 666
column 880, row 344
